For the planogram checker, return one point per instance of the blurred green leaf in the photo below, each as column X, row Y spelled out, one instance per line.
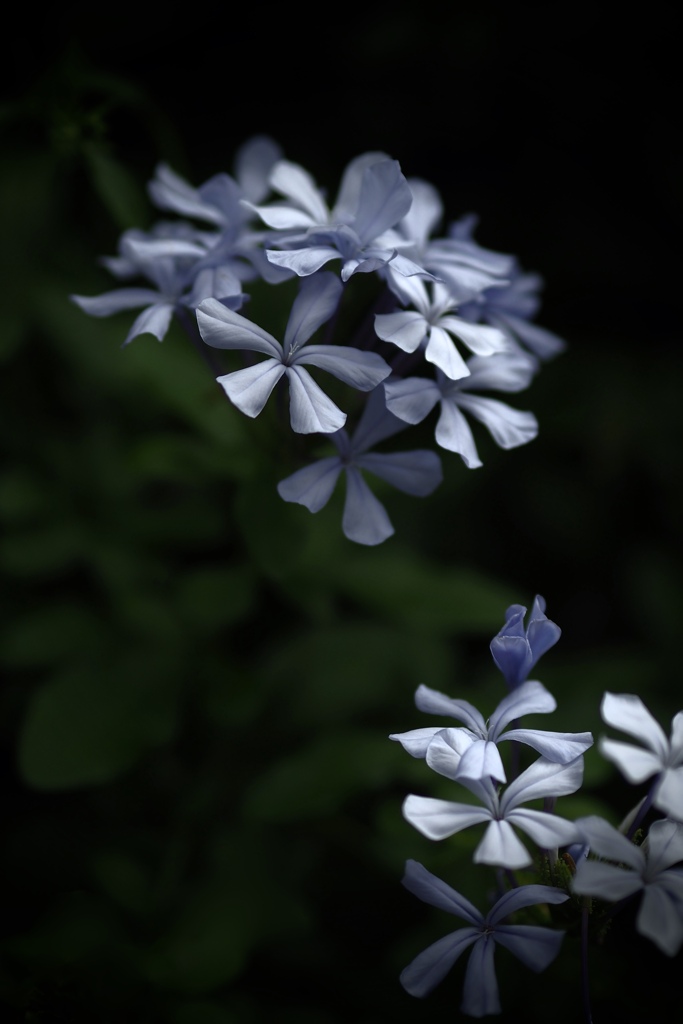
column 92, row 722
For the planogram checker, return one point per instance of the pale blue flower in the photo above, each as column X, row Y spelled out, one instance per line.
column 365, row 520
column 471, row 752
column 311, row 410
column 510, row 305
column 466, row 267
column 172, row 281
column 647, row 869
column 373, row 197
column 432, row 323
column 413, row 398
column 658, row 756
column 517, row 648
column 535, row 945
column 502, row 813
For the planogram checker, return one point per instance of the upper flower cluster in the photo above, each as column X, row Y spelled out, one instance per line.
column 452, row 319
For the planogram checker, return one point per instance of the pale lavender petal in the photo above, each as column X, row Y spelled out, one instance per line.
column 405, row 329
column 348, row 195
column 453, row 433
column 665, row 845
column 481, row 760
column 416, row 741
column 282, row 218
column 500, row 847
column 384, row 199
column 535, row 946
column 555, row 746
column 418, row 472
column 660, row 919
column 431, row 889
column 316, row 301
column 221, row 327
column 676, row 741
column 169, row 191
column 626, row 712
column 509, row 427
column 411, row 399
column 542, row 342
column 360, row 369
column 445, row 751
column 547, row 830
column 524, row 896
column 365, row 519
column 435, row 703
column 606, row 881
column 313, row 485
column 253, row 163
column 669, row 795
column 310, row 409
column 250, row 388
column 433, row 964
column 116, row 301
column 633, row 762
column 297, row 185
column 441, row 352
column 438, row 819
column 480, row 988
column 480, row 339
column 153, row 320
column 504, row 371
column 543, row 778
column 426, row 212
column 607, row 841
column 531, row 698
column 303, row 261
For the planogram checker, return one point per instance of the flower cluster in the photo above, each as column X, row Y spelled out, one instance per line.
column 589, row 864
column 452, row 323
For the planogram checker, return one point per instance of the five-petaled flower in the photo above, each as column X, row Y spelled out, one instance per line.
column 623, row 870
column 535, row 945
column 311, row 410
column 659, row 756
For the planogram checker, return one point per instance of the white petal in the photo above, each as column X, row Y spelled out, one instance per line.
column 115, row 301
column 633, row 762
column 316, row 301
column 311, row 411
column 313, row 485
column 250, row 388
column 294, row 182
column 442, row 352
column 661, row 919
column 669, row 796
column 221, row 327
column 547, row 830
column 501, row 847
column 433, row 964
column 416, row 741
column 605, row 881
column 531, row 698
column 418, row 472
column 665, row 845
column 626, row 712
column 431, row 889
column 509, row 427
column 481, row 340
column 359, row 369
column 438, row 819
column 365, row 519
column 543, row 778
column 405, row 329
column 154, row 320
column 453, row 433
column 411, row 399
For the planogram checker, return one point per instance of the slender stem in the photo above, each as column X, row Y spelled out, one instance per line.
column 643, row 809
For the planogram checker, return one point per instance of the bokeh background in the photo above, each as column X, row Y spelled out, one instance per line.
column 201, row 805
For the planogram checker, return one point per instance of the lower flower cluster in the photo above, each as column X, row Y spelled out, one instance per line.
column 589, row 865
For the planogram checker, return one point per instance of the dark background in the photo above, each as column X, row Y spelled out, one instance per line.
column 203, row 815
